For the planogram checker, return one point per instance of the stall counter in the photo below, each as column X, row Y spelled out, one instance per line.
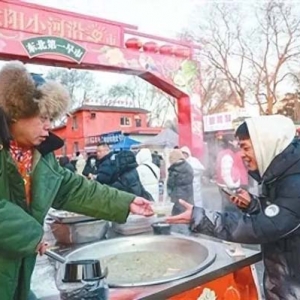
column 226, row 278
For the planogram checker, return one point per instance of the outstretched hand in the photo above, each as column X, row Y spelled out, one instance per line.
column 141, row 206
column 185, row 217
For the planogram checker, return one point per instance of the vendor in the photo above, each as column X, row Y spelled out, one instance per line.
column 31, row 180
column 272, row 156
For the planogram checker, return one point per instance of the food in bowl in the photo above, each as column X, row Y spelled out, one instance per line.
column 162, row 209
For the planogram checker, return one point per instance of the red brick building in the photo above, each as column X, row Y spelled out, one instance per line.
column 88, row 122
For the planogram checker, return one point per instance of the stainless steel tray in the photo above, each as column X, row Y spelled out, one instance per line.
column 66, row 217
column 190, row 248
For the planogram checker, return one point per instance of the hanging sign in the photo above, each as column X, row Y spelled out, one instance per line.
column 53, row 45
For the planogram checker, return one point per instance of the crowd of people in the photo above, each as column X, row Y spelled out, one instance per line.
column 112, row 185
column 142, row 172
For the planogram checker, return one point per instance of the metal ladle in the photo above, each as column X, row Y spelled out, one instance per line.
column 78, row 270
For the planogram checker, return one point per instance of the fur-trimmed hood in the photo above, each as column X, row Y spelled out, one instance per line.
column 22, row 96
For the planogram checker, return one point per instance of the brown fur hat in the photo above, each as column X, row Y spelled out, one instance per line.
column 175, row 156
column 21, row 97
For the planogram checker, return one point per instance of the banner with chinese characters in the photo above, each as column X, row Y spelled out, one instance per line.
column 112, row 137
column 109, row 138
column 218, row 122
column 30, row 19
column 43, row 35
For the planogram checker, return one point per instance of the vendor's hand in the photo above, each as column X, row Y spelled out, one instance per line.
column 185, row 217
column 242, row 200
column 141, row 206
column 41, row 248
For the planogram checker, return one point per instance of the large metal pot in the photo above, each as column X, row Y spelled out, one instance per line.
column 187, row 248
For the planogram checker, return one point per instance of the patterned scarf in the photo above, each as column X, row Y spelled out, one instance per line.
column 23, row 159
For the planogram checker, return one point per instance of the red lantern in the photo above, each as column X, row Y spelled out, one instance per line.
column 166, row 50
column 182, row 52
column 150, row 47
column 134, row 44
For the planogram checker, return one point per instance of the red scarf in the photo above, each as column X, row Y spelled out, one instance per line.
column 23, row 159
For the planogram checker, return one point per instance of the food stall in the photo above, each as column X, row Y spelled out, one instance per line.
column 91, row 43
column 148, row 266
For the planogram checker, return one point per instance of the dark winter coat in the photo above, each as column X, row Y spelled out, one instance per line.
column 127, row 178
column 272, row 220
column 90, row 168
column 106, row 169
column 180, row 184
column 64, row 162
column 156, row 159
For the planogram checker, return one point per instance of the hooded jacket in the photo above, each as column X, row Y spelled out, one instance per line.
column 198, row 169
column 80, row 164
column 273, row 219
column 148, row 172
column 22, row 225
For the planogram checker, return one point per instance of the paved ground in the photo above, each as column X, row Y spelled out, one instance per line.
column 212, row 201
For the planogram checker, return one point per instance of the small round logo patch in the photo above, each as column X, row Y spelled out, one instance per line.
column 272, row 210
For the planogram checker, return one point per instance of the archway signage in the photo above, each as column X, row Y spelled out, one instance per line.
column 42, row 35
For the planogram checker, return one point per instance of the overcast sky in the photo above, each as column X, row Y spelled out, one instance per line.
column 161, row 17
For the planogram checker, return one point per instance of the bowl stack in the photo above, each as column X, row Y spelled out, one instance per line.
column 135, row 224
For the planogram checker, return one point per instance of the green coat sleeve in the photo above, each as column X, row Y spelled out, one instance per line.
column 20, row 233
column 79, row 195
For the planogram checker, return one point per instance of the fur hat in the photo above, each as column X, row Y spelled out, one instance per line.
column 175, row 156
column 25, row 95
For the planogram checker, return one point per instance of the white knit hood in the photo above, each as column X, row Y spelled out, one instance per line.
column 270, row 136
column 144, row 156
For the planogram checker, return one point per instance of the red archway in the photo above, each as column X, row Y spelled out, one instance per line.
column 42, row 35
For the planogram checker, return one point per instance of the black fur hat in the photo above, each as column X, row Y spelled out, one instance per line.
column 24, row 95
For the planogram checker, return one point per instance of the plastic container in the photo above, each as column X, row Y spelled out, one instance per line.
column 135, row 224
column 162, row 209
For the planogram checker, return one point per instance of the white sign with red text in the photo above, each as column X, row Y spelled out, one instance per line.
column 221, row 121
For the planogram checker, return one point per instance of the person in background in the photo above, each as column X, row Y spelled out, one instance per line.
column 91, row 166
column 126, row 175
column 106, row 165
column 149, row 173
column 180, row 180
column 198, row 169
column 80, row 163
column 230, row 169
column 32, row 181
column 64, row 162
column 272, row 157
column 156, row 158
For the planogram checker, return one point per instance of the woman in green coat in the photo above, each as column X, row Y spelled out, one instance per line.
column 31, row 180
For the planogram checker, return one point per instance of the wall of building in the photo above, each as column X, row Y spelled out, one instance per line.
column 83, row 124
column 110, row 121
